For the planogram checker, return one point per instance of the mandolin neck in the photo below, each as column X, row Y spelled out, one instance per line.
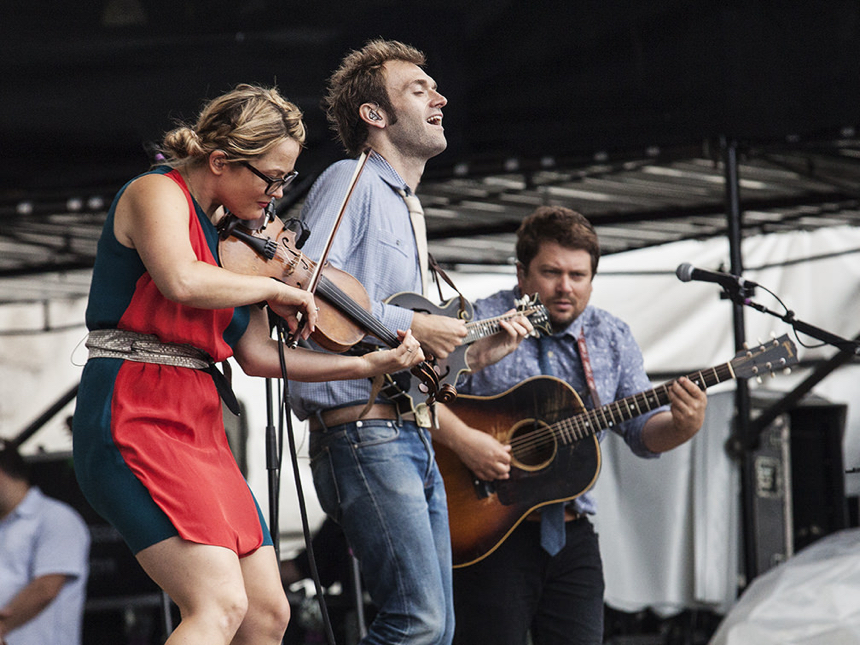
column 479, row 329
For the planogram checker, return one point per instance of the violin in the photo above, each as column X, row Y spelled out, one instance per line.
column 344, row 317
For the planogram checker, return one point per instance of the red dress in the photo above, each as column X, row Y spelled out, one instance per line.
column 159, row 426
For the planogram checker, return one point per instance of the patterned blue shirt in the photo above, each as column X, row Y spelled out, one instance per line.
column 375, row 244
column 615, row 358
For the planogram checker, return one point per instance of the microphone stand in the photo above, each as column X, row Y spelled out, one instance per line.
column 848, row 349
column 273, row 469
column 851, row 347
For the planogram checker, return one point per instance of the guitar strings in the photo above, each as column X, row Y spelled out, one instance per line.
column 589, row 422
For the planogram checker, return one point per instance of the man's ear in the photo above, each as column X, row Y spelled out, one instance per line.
column 372, row 115
column 521, row 273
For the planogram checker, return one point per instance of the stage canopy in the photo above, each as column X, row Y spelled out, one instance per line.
column 620, row 110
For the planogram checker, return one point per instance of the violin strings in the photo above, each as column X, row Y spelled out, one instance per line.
column 338, row 298
column 342, row 301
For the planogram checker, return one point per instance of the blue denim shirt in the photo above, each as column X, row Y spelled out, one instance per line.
column 375, row 244
column 615, row 358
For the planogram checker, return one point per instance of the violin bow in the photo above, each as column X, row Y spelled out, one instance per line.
column 315, row 275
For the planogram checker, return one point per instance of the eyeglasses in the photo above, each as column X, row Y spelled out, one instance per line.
column 272, row 184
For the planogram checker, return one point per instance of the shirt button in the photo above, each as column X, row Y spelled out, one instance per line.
column 550, row 354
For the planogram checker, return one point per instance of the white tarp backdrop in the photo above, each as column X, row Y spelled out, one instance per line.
column 669, row 528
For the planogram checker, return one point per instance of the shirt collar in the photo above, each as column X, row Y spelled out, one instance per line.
column 30, row 504
column 576, row 326
column 388, row 174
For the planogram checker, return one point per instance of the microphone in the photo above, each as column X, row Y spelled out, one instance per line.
column 687, row 272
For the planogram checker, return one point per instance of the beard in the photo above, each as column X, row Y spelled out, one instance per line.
column 559, row 324
column 561, row 321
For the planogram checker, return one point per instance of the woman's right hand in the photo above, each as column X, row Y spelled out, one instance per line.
column 289, row 301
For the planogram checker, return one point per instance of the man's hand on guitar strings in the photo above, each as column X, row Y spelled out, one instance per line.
column 484, row 455
column 687, row 402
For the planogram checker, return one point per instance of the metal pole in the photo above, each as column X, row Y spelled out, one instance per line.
column 743, row 405
column 46, row 416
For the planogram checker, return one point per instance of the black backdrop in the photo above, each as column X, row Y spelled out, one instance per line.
column 86, row 84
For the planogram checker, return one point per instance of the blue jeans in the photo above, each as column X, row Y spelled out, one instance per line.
column 379, row 480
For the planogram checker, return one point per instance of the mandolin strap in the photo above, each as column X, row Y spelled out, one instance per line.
column 439, row 272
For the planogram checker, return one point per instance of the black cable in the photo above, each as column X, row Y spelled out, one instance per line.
column 286, row 414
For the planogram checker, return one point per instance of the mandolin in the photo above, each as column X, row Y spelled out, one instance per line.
column 452, row 366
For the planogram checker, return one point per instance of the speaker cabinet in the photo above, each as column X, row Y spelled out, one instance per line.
column 799, row 479
column 772, row 503
column 818, row 472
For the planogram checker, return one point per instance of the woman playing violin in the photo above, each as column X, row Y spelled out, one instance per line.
column 150, row 450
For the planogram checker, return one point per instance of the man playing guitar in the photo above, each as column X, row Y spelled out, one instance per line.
column 546, row 576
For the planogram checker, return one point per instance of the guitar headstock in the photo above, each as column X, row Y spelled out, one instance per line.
column 533, row 309
column 767, row 358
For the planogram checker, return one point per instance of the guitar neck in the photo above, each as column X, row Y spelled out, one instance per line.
column 593, row 421
column 479, row 329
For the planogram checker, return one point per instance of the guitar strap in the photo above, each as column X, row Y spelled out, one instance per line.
column 586, row 367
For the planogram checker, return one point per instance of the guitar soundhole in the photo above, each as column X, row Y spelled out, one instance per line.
column 533, row 445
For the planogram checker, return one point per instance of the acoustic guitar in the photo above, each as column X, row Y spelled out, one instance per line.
column 554, row 447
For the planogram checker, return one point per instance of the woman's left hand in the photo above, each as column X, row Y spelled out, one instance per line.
column 406, row 355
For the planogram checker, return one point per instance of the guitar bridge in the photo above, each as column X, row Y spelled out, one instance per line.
column 483, row 488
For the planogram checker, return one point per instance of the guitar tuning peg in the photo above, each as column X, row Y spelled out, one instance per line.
column 760, row 341
column 772, row 334
column 746, row 345
column 758, row 379
column 786, row 371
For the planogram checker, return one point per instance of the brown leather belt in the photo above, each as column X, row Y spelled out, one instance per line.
column 349, row 414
